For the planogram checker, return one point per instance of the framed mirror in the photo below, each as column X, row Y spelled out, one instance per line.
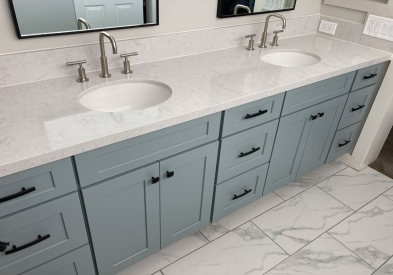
column 231, row 8
column 35, row 18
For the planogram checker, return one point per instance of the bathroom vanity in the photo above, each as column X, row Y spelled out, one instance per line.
column 115, row 199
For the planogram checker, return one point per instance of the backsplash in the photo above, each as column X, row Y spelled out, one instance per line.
column 353, row 32
column 48, row 64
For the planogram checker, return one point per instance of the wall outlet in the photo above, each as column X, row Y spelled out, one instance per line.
column 327, row 27
column 377, row 26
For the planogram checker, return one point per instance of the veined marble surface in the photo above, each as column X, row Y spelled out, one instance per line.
column 43, row 121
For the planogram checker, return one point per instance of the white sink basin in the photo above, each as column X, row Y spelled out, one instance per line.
column 125, row 95
column 290, row 58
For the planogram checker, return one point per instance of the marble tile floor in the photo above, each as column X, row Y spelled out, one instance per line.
column 334, row 220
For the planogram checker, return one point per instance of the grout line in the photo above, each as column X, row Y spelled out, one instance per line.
column 382, row 265
column 271, row 239
column 204, row 236
column 387, row 197
column 336, row 199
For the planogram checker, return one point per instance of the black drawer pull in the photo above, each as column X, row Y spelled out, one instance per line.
column 345, row 143
column 17, row 195
column 242, row 195
column 249, row 153
column 257, row 114
column 16, row 249
column 3, row 246
column 359, row 108
column 321, row 114
column 155, row 180
column 170, row 174
column 370, row 76
column 314, row 117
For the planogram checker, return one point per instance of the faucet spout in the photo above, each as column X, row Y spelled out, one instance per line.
column 264, row 34
column 104, row 61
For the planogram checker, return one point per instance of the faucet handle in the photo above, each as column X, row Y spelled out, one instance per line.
column 250, row 36
column 275, row 38
column 81, row 70
column 277, row 32
column 251, row 42
column 126, row 63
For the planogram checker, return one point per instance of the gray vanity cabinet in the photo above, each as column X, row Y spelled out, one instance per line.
column 186, row 192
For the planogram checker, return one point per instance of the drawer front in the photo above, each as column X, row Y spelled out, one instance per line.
column 59, row 223
column 357, row 107
column 344, row 141
column 368, row 76
column 121, row 157
column 78, row 262
column 238, row 192
column 252, row 114
column 33, row 186
column 313, row 94
column 246, row 150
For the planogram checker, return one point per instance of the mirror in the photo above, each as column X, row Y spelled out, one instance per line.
column 231, row 8
column 34, row 18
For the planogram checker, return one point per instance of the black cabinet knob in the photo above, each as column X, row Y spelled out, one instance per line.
column 3, row 246
column 155, row 180
column 314, row 117
column 170, row 174
column 321, row 114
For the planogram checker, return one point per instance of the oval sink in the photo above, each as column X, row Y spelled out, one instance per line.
column 290, row 59
column 125, row 95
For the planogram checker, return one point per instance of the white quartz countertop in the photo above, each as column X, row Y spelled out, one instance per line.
column 42, row 122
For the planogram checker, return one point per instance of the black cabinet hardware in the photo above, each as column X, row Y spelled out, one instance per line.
column 242, row 195
column 155, row 180
column 17, row 195
column 314, row 117
column 345, row 143
column 249, row 153
column 16, row 249
column 170, row 174
column 321, row 114
column 370, row 76
column 3, row 246
column 359, row 108
column 257, row 114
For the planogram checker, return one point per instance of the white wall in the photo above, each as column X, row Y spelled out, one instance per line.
column 342, row 13
column 175, row 16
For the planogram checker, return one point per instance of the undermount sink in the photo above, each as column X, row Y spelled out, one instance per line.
column 125, row 95
column 290, row 58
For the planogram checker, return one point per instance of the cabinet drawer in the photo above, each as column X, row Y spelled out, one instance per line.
column 313, row 94
column 368, row 76
column 59, row 223
column 344, row 141
column 252, row 114
column 357, row 107
column 78, row 262
column 124, row 156
column 246, row 150
column 238, row 192
column 33, row 186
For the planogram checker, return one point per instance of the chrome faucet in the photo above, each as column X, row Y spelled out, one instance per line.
column 104, row 61
column 264, row 35
column 82, row 22
column 239, row 6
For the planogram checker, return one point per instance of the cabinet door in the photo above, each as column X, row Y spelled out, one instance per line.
column 123, row 215
column 321, row 134
column 186, row 192
column 288, row 149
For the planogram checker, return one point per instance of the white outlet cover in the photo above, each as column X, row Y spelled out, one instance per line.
column 327, row 27
column 380, row 27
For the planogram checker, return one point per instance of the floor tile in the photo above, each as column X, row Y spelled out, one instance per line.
column 324, row 256
column 158, row 273
column 223, row 226
column 389, row 194
column 356, row 188
column 245, row 250
column 310, row 179
column 166, row 256
column 298, row 221
column 369, row 232
column 386, row 269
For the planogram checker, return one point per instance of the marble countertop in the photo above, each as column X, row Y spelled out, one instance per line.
column 42, row 122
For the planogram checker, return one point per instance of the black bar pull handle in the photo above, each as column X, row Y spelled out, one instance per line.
column 249, row 153
column 3, row 246
column 155, row 180
column 242, row 195
column 170, row 174
column 359, row 108
column 345, row 143
column 257, row 114
column 314, row 117
column 321, row 114
column 16, row 249
column 17, row 195
column 370, row 76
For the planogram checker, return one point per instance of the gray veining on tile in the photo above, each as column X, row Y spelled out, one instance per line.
column 389, row 194
column 299, row 185
column 324, row 256
column 386, row 268
column 356, row 188
column 245, row 250
column 226, row 224
column 296, row 222
column 368, row 232
column 166, row 256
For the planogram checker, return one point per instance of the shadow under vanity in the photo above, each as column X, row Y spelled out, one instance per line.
column 113, row 206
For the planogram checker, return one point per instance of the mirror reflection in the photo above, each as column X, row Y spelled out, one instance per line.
column 46, row 17
column 230, row 8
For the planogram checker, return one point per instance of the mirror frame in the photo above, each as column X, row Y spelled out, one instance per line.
column 16, row 25
column 221, row 15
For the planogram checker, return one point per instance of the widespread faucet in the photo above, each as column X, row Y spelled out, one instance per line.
column 104, row 61
column 264, row 35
